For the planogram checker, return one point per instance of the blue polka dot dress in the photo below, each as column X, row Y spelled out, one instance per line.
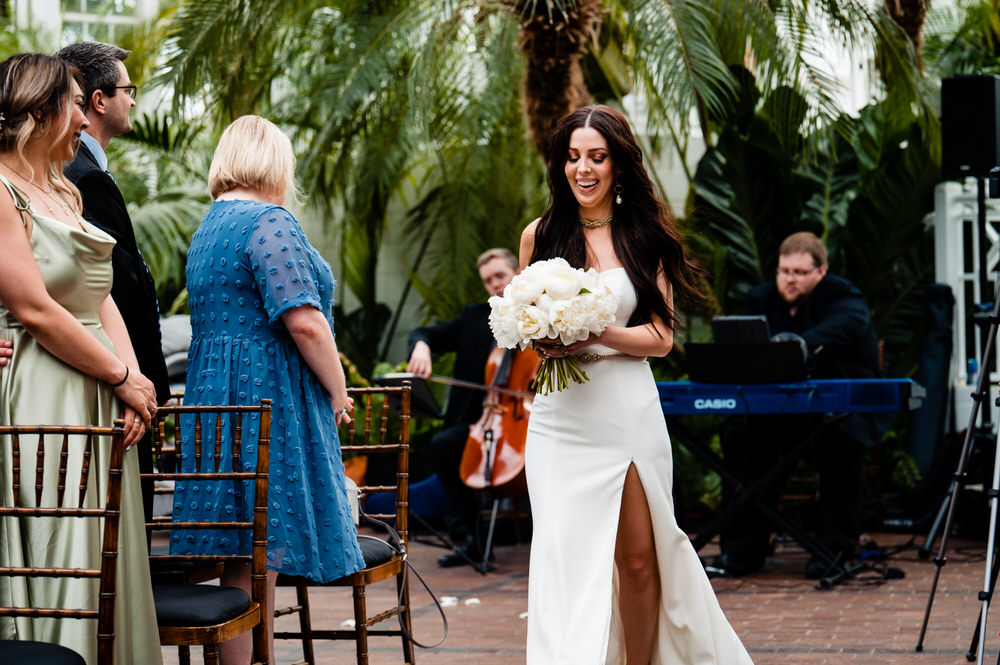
column 248, row 264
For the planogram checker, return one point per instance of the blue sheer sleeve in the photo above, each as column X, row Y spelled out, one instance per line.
column 281, row 264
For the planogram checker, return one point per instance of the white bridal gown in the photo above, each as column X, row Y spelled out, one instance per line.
column 579, row 446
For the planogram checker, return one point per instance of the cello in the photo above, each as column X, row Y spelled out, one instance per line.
column 494, row 451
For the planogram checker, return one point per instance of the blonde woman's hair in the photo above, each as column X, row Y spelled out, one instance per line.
column 34, row 103
column 253, row 152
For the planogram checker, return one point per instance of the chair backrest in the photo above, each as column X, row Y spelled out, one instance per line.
column 373, row 433
column 207, row 444
column 35, row 487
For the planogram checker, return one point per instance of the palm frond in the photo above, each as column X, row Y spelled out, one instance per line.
column 163, row 230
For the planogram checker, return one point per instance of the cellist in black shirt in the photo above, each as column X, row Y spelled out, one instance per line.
column 469, row 336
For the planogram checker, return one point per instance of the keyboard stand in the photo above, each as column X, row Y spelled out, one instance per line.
column 750, row 493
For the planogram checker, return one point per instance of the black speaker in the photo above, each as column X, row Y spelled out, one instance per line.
column 970, row 125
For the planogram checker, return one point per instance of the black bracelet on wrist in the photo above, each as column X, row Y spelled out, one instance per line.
column 124, row 379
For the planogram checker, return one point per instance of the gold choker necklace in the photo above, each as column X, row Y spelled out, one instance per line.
column 596, row 223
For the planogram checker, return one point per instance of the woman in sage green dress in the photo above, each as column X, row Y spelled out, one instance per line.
column 72, row 364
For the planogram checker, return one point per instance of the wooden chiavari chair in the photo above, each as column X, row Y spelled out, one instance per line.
column 19, row 507
column 370, row 434
column 196, row 444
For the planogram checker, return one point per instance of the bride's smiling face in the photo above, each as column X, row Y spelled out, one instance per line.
column 589, row 171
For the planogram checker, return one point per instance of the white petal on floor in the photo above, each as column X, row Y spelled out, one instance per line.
column 522, row 615
column 348, row 624
column 472, row 601
column 448, row 601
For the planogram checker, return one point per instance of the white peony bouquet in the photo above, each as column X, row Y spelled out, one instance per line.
column 547, row 300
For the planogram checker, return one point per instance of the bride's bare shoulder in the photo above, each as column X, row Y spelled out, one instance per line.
column 527, row 242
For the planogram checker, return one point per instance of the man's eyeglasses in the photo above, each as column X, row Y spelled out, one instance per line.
column 131, row 88
column 786, row 272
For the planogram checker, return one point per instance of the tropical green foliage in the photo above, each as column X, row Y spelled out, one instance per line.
column 964, row 39
column 681, row 53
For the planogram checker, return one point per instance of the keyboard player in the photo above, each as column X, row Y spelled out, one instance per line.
column 830, row 314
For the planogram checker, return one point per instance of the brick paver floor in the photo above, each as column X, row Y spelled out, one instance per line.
column 782, row 618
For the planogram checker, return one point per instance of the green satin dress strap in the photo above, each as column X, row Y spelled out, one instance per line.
column 21, row 200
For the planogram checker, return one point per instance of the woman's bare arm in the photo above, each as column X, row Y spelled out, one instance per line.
column 314, row 340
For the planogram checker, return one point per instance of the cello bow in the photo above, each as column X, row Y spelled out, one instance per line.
column 479, row 386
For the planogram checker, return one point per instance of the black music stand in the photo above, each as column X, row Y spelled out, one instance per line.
column 422, row 401
column 745, row 362
column 741, row 329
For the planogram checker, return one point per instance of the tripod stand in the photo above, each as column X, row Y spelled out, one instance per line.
column 981, row 437
column 979, row 397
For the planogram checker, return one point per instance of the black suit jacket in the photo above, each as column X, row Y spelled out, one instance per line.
column 470, row 337
column 133, row 290
column 839, row 333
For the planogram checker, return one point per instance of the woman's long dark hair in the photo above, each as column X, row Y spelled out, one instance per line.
column 643, row 232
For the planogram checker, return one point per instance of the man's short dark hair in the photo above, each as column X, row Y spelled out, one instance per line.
column 98, row 63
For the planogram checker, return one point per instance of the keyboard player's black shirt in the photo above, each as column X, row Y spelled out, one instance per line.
column 835, row 323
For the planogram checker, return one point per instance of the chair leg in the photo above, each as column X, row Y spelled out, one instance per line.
column 211, row 654
column 361, row 624
column 305, row 623
column 403, row 591
column 184, row 655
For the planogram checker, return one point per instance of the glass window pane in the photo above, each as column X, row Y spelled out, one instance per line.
column 121, row 7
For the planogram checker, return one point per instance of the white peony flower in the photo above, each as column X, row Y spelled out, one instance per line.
column 591, row 280
column 531, row 323
column 544, row 303
column 605, row 309
column 544, row 269
column 503, row 323
column 563, row 282
column 570, row 319
column 525, row 288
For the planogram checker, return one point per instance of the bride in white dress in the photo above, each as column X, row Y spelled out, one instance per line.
column 612, row 578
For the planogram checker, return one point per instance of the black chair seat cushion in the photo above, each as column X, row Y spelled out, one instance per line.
column 198, row 604
column 38, row 653
column 375, row 550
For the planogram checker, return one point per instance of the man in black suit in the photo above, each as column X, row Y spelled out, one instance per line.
column 110, row 96
column 830, row 315
column 470, row 337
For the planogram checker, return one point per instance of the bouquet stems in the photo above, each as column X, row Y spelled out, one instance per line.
column 555, row 373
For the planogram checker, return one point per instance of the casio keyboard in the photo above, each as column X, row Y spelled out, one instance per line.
column 830, row 396
column 811, row 396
